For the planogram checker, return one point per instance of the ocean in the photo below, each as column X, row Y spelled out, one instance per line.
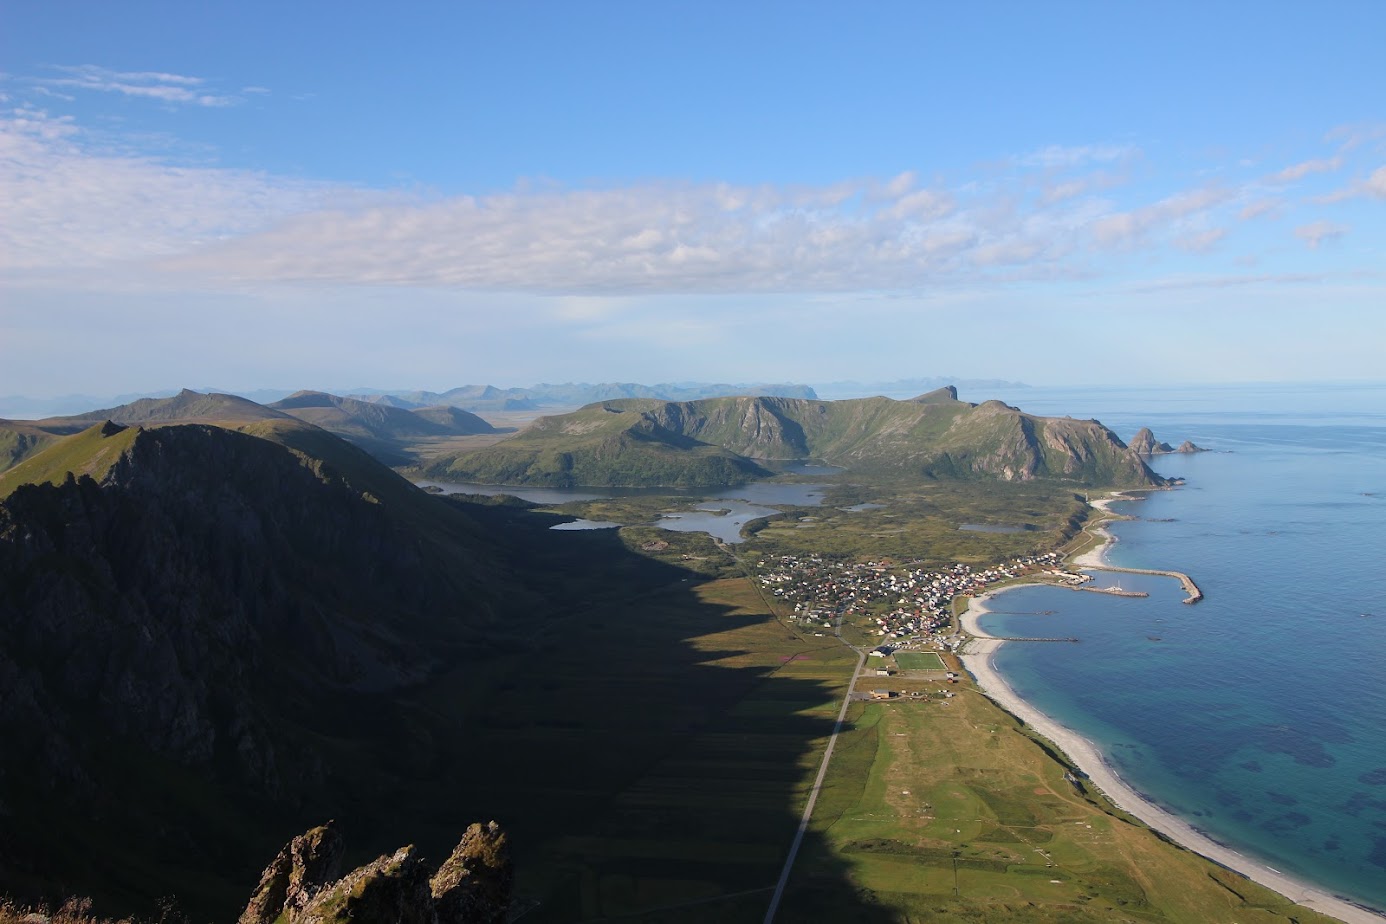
column 1259, row 714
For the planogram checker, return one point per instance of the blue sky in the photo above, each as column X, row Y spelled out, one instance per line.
column 334, row 195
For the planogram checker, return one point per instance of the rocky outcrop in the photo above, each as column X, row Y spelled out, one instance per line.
column 1145, row 444
column 477, row 882
column 296, row 875
column 474, row 886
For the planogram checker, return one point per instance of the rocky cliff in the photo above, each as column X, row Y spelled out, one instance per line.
column 642, row 442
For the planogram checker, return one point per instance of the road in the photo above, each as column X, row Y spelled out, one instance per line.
column 817, row 785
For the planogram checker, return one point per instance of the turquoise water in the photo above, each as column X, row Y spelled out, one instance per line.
column 1260, row 713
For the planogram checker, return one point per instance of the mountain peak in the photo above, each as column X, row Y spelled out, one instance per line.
column 937, row 396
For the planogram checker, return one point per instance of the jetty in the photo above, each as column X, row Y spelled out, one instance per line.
column 1114, row 591
column 1193, row 594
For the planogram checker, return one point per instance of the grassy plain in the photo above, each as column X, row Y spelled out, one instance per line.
column 949, row 810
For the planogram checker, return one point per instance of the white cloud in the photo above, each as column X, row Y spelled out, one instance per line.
column 1124, row 229
column 1200, row 241
column 1058, row 192
column 1350, row 137
column 68, row 206
column 1301, row 170
column 76, row 212
column 1375, row 185
column 1059, row 156
column 168, row 88
column 1319, row 232
column 1268, row 208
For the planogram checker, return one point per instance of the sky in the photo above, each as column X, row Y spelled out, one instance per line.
column 339, row 195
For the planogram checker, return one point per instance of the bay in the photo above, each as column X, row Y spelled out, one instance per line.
column 1258, row 714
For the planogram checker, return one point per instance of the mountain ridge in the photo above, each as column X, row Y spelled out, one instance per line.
column 639, row 441
column 203, row 612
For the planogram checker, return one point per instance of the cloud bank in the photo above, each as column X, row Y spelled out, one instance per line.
column 75, row 210
column 166, row 88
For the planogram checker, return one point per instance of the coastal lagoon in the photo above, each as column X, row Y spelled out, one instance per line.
column 1259, row 714
column 719, row 511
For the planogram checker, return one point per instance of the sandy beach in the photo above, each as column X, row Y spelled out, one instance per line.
column 977, row 659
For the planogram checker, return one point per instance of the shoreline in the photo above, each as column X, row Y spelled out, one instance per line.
column 976, row 657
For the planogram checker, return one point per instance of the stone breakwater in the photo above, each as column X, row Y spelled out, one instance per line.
column 1190, row 588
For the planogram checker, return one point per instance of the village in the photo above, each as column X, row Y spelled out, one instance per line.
column 904, row 606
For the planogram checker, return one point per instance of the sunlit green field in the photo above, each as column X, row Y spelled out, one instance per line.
column 947, row 810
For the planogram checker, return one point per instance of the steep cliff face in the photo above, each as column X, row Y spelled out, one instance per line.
column 197, row 620
column 934, row 435
column 759, row 428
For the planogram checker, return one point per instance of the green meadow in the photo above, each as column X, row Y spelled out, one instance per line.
column 950, row 810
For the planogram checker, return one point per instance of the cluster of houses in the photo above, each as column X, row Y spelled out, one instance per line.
column 909, row 606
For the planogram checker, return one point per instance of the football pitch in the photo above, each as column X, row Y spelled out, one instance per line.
column 918, row 661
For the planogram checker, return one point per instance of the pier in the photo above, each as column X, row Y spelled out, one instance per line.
column 1190, row 588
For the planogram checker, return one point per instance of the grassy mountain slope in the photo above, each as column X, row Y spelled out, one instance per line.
column 383, row 431
column 454, row 420
column 91, row 452
column 354, row 419
column 21, row 439
column 185, row 407
column 614, row 443
column 650, row 442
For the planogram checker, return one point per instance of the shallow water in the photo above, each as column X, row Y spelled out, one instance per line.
column 744, row 502
column 1260, row 713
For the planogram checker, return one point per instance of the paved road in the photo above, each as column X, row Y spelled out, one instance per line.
column 813, row 794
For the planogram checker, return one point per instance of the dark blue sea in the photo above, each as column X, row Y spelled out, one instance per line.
column 1258, row 714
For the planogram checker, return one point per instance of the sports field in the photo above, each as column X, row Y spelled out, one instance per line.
column 919, row 661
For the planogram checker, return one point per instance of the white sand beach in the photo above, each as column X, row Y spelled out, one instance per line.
column 977, row 659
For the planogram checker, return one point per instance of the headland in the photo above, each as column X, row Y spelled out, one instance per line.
column 977, row 656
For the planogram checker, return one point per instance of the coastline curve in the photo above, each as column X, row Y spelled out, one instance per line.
column 976, row 657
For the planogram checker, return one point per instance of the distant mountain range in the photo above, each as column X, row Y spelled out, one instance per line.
column 728, row 440
column 466, row 397
column 904, row 388
column 490, row 398
column 382, row 430
column 533, row 397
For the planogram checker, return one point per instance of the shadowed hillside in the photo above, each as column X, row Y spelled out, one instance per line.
column 212, row 640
